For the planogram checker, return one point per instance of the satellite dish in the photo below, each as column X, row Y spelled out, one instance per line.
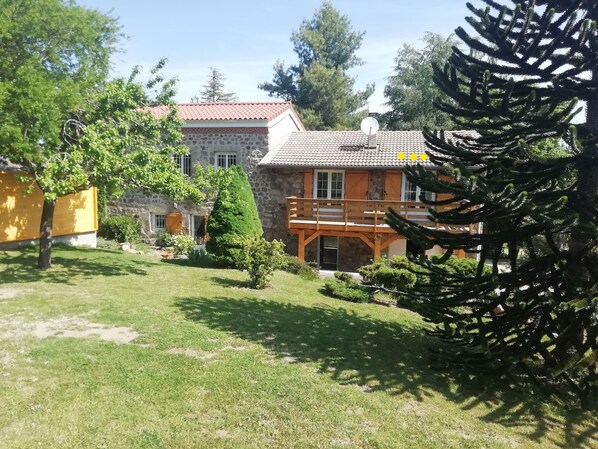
column 369, row 126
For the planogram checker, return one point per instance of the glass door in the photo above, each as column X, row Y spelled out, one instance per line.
column 328, row 253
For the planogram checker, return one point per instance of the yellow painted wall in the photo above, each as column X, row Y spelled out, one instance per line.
column 20, row 215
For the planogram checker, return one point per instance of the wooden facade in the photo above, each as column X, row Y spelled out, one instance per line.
column 357, row 215
column 20, row 215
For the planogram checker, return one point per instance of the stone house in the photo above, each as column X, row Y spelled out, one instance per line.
column 221, row 134
column 334, row 188
column 323, row 193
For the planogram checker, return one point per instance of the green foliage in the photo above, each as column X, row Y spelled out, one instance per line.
column 348, row 291
column 234, row 215
column 301, row 268
column 199, row 257
column 411, row 91
column 101, row 204
column 120, row 229
column 390, row 276
column 65, row 124
column 519, row 87
column 210, row 180
column 180, row 243
column 260, row 258
column 343, row 277
column 213, row 90
column 319, row 85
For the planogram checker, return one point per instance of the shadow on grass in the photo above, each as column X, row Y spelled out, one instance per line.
column 385, row 356
column 229, row 283
column 69, row 265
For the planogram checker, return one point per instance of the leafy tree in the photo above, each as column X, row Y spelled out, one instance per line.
column 64, row 124
column 319, row 84
column 213, row 90
column 260, row 258
column 533, row 62
column 234, row 215
column 411, row 91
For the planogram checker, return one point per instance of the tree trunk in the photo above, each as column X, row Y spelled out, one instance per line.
column 45, row 238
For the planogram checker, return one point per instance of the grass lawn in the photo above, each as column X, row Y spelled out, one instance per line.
column 211, row 364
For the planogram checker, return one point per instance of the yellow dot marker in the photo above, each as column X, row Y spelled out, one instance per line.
column 401, row 156
column 424, row 157
column 413, row 157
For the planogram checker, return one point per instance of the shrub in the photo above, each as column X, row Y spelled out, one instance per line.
column 301, row 268
column 260, row 258
column 199, row 257
column 343, row 277
column 182, row 244
column 383, row 274
column 348, row 291
column 122, row 229
column 234, row 215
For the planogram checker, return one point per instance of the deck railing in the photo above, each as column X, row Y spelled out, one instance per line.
column 312, row 212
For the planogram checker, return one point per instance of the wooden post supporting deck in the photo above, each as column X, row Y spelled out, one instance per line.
column 301, row 249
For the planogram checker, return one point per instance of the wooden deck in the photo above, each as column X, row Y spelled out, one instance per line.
column 310, row 218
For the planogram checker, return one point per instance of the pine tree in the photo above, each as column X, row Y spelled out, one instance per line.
column 411, row 90
column 319, row 85
column 533, row 61
column 213, row 90
column 234, row 215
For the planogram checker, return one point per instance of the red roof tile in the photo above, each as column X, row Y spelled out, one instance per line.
column 229, row 111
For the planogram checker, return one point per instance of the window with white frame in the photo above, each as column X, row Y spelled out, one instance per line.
column 412, row 192
column 183, row 162
column 225, row 160
column 158, row 222
column 329, row 185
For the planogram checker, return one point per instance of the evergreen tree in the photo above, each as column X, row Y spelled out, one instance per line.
column 319, row 85
column 213, row 90
column 234, row 215
column 537, row 320
column 411, row 90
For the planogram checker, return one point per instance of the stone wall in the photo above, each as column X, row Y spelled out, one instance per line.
column 249, row 146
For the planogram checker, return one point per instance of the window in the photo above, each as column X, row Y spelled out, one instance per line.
column 330, row 185
column 226, row 160
column 158, row 222
column 412, row 192
column 183, row 162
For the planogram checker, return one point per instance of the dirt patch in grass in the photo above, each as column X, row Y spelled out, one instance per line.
column 10, row 293
column 65, row 327
column 201, row 355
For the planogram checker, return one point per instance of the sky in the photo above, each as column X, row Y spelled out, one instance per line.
column 243, row 39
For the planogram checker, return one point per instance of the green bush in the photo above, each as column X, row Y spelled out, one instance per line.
column 346, row 290
column 343, row 277
column 180, row 243
column 260, row 258
column 234, row 215
column 199, row 257
column 121, row 229
column 301, row 268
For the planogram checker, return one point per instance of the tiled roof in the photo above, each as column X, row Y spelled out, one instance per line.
column 229, row 111
column 346, row 149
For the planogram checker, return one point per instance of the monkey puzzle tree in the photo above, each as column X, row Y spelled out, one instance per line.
column 533, row 61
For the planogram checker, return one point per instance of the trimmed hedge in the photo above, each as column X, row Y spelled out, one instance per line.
column 234, row 215
column 348, row 291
